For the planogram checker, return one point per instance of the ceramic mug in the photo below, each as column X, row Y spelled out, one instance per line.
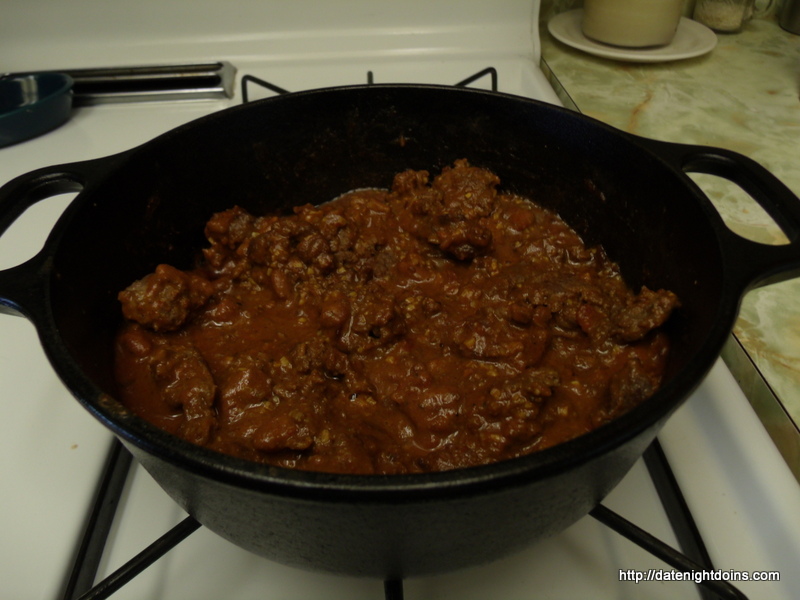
column 632, row 23
column 728, row 16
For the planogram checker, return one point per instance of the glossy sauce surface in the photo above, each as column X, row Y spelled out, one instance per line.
column 436, row 325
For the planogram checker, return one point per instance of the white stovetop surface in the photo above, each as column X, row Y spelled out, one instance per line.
column 743, row 496
column 46, row 33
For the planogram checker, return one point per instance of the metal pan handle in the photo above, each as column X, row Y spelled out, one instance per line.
column 752, row 264
column 21, row 291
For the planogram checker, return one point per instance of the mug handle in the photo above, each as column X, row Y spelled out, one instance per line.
column 753, row 10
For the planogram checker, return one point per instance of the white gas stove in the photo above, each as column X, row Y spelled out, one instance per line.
column 739, row 490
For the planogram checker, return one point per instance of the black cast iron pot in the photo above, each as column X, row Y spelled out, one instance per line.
column 148, row 205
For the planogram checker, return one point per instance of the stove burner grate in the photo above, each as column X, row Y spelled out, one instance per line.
column 81, row 584
column 489, row 72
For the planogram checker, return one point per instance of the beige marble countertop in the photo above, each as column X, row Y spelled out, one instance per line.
column 744, row 96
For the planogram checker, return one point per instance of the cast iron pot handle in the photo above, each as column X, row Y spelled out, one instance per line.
column 752, row 264
column 21, row 290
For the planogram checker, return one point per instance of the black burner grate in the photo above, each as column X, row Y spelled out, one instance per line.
column 247, row 80
column 81, row 584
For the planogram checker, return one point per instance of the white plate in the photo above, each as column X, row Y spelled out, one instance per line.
column 691, row 39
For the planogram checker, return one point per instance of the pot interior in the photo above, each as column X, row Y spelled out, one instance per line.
column 311, row 147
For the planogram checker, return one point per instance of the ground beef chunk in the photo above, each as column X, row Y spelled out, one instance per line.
column 646, row 312
column 175, row 377
column 164, row 299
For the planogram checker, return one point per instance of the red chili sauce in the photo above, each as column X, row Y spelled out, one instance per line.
column 437, row 325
